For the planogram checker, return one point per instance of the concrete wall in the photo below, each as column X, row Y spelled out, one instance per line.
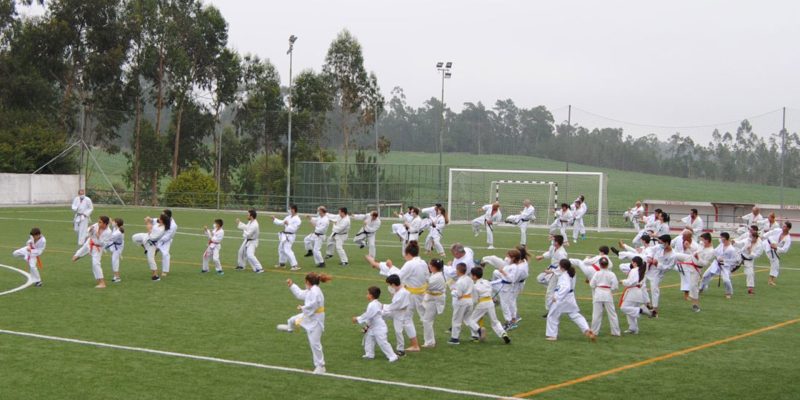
column 37, row 189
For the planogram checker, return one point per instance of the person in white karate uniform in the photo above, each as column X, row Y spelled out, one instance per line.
column 634, row 215
column 115, row 246
column 491, row 216
column 564, row 302
column 693, row 222
column 374, row 327
column 427, row 215
column 603, row 284
column 311, row 316
column 149, row 240
column 414, row 274
column 563, row 218
column 504, row 279
column 215, row 237
column 164, row 244
column 727, row 258
column 461, row 292
column 645, row 250
column 82, row 207
column 247, row 251
column 366, row 236
column 578, row 209
column 434, row 301
column 286, row 237
column 526, row 216
column 313, row 241
column 461, row 254
column 436, row 228
column 31, row 253
column 399, row 229
column 771, row 224
column 684, row 246
column 99, row 236
column 650, row 223
column 413, row 226
column 402, row 314
column 691, row 265
column 483, row 306
column 777, row 242
column 339, row 232
column 661, row 226
column 662, row 260
column 750, row 249
column 591, row 265
column 549, row 277
column 754, row 218
column 632, row 301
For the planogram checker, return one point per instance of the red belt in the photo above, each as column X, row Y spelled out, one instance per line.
column 596, row 268
column 92, row 244
column 604, row 287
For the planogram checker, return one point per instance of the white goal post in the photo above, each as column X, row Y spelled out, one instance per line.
column 466, row 188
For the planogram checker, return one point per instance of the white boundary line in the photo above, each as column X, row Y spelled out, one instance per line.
column 252, row 364
column 27, row 276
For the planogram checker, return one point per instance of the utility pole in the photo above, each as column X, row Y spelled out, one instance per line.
column 292, row 39
column 783, row 153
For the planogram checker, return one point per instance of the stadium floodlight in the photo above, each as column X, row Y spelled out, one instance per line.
column 292, row 39
column 444, row 68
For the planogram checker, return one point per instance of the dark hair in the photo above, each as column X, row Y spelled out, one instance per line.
column 515, row 255
column 252, row 212
column 343, row 209
column 168, row 212
column 523, row 252
column 374, row 291
column 665, row 217
column 639, row 263
column 393, row 280
column 658, row 211
column 105, row 219
column 120, row 223
column 415, row 210
column 603, row 262
column 558, row 239
column 219, row 222
column 706, row 236
column 462, row 268
column 374, row 214
column 315, row 279
column 754, row 228
column 437, row 264
column 725, row 235
column 694, row 211
column 788, row 224
column 604, row 250
column 35, row 231
column 665, row 238
column 443, row 212
column 322, row 209
column 646, row 239
column 412, row 248
column 564, row 205
column 166, row 220
column 293, row 207
column 477, row 272
column 567, row 266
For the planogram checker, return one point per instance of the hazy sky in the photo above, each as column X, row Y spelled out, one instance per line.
column 675, row 63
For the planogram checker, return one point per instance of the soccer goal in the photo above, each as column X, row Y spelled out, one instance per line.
column 467, row 190
column 512, row 193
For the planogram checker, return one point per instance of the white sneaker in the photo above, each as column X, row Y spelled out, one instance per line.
column 490, row 247
column 391, row 360
column 284, row 327
column 319, row 370
column 366, row 357
column 295, row 268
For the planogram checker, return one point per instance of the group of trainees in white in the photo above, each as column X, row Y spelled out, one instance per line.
column 570, row 215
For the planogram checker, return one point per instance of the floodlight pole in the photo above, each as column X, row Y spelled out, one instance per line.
column 783, row 153
column 444, row 68
column 292, row 39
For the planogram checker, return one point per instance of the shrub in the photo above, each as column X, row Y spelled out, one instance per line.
column 192, row 188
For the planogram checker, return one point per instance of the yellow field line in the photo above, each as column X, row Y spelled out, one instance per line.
column 653, row 360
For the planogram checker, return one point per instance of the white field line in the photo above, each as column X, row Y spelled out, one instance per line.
column 252, row 365
column 28, row 280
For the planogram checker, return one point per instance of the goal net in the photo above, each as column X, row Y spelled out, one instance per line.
column 512, row 194
column 467, row 190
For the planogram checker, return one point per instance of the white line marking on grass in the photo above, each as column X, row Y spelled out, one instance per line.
column 28, row 282
column 253, row 365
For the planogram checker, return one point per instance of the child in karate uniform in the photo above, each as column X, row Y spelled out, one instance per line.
column 603, row 284
column 632, row 302
column 33, row 249
column 482, row 292
column 564, row 303
column 311, row 317
column 374, row 327
column 99, row 236
column 116, row 245
column 434, row 301
column 401, row 312
column 215, row 238
column 462, row 302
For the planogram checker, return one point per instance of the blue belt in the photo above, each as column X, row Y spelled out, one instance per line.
column 552, row 267
column 505, row 282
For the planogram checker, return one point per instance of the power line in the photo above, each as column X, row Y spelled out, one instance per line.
column 677, row 126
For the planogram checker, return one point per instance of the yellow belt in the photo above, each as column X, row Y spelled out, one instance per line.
column 484, row 299
column 466, row 296
column 320, row 310
column 434, row 293
column 417, row 290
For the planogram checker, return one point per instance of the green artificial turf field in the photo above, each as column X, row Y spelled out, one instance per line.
column 233, row 317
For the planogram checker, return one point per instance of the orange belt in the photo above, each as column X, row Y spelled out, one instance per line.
column 622, row 298
column 466, row 296
column 38, row 260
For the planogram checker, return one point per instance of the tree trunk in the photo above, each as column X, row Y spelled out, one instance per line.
column 159, row 108
column 177, row 150
column 136, row 150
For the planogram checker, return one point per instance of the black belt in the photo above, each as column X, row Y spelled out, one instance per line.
column 115, row 244
column 523, row 220
column 287, row 233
